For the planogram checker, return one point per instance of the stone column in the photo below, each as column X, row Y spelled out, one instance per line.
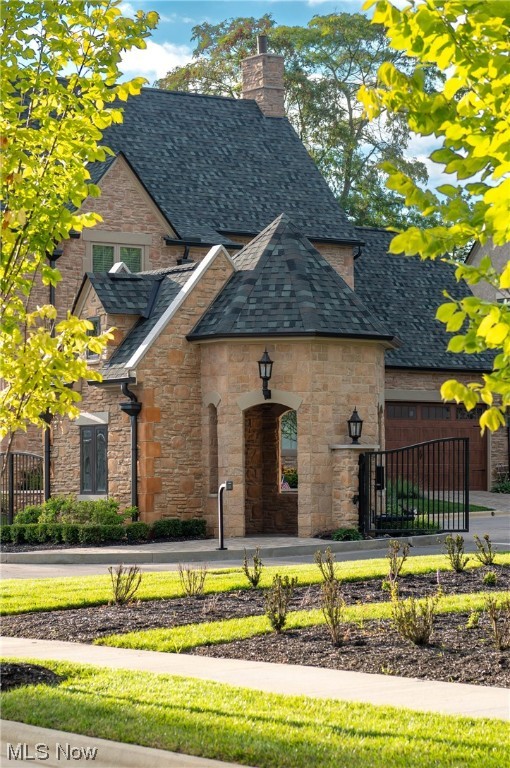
column 345, row 485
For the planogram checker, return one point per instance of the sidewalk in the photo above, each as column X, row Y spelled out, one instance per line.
column 409, row 693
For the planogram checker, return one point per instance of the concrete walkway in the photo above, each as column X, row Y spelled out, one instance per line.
column 410, row 693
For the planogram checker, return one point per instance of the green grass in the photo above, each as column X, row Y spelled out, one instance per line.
column 250, row 727
column 25, row 595
column 184, row 638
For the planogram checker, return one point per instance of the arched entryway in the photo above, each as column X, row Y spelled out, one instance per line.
column 268, row 508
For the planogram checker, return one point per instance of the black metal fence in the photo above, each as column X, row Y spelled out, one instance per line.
column 21, row 483
column 419, row 489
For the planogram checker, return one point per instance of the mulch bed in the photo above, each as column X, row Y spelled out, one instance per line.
column 16, row 675
column 456, row 653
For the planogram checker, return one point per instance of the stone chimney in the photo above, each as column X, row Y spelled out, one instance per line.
column 263, row 80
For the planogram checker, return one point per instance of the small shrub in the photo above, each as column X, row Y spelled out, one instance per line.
column 333, row 608
column 112, row 533
column 192, row 579
column 402, row 489
column 137, row 532
column 29, row 515
column 502, row 481
column 347, row 534
column 32, row 533
column 125, row 583
column 18, row 534
column 90, row 535
column 386, row 585
column 498, row 613
column 54, row 508
column 485, row 554
column 164, row 529
column 326, row 565
column 254, row 572
column 455, row 552
column 5, row 534
column 490, row 579
column 412, row 618
column 397, row 555
column 131, row 513
column 473, row 620
column 277, row 601
column 70, row 533
column 194, row 528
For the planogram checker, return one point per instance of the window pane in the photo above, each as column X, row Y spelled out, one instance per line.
column 95, row 331
column 100, row 460
column 401, row 411
column 102, row 258
column 86, row 460
column 132, row 258
column 441, row 412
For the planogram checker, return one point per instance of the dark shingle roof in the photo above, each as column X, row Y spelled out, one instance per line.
column 284, row 286
column 217, row 165
column 404, row 293
column 169, row 284
column 124, row 294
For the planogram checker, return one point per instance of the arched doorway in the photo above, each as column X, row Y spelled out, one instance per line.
column 268, row 508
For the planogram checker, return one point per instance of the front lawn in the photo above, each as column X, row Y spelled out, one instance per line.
column 253, row 728
column 26, row 595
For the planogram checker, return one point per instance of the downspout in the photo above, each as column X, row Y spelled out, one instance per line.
column 132, row 408
column 47, row 416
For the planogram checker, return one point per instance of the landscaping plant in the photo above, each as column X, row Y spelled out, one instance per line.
column 397, row 555
column 125, row 583
column 347, row 534
column 277, row 600
column 485, row 554
column 412, row 618
column 326, row 564
column 192, row 579
column 455, row 552
column 490, row 579
column 333, row 609
column 498, row 613
column 254, row 572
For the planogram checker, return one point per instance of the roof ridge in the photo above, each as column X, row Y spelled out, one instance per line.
column 152, row 89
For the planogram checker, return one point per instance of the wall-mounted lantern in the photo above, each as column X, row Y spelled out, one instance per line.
column 265, row 371
column 355, row 424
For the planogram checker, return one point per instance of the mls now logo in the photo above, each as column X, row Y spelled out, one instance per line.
column 26, row 753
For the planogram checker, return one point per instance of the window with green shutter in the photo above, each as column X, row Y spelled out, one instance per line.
column 102, row 258
column 132, row 257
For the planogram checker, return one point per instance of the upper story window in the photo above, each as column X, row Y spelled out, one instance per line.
column 104, row 256
column 95, row 331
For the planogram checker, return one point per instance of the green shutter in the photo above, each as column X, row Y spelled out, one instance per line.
column 102, row 258
column 132, row 258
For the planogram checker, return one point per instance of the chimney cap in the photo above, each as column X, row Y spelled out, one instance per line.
column 261, row 43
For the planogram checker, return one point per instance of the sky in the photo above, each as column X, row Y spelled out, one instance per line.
column 171, row 44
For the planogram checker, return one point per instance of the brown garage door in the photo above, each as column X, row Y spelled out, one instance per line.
column 411, row 423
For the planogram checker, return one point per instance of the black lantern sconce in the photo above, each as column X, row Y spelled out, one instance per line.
column 265, row 371
column 355, row 425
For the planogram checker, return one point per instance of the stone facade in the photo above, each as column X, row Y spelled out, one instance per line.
column 322, row 380
column 263, row 82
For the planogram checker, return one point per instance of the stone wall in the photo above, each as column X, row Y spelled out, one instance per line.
column 323, row 380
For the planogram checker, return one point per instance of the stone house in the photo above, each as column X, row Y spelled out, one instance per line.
column 220, row 240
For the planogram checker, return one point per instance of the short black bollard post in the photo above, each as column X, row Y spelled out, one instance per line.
column 226, row 486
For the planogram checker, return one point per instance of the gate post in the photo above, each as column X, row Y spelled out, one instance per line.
column 10, row 488
column 347, row 487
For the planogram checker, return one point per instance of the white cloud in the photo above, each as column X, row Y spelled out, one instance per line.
column 127, row 9
column 421, row 147
column 155, row 61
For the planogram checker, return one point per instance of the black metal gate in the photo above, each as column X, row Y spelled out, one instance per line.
column 21, row 483
column 419, row 489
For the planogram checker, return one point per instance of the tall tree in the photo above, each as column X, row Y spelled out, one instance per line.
column 326, row 63
column 469, row 116
column 60, row 72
